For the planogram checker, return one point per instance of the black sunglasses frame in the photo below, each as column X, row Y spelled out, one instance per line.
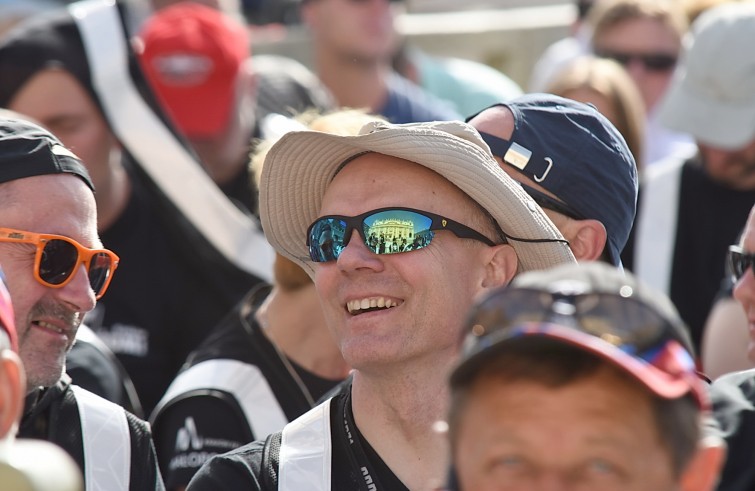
column 437, row 223
column 656, row 62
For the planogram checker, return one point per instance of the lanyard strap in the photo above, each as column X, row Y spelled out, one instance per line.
column 106, row 440
column 367, row 476
column 157, row 151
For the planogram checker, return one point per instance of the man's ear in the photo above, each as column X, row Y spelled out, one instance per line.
column 12, row 391
column 587, row 239
column 501, row 266
column 703, row 471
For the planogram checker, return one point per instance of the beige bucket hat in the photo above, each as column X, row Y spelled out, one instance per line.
column 301, row 165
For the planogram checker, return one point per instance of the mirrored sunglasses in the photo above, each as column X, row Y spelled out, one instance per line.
column 57, row 257
column 654, row 62
column 383, row 231
column 739, row 262
column 623, row 322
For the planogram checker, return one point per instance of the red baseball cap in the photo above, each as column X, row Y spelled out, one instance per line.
column 192, row 55
column 7, row 321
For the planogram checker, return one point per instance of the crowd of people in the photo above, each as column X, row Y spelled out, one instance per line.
column 388, row 270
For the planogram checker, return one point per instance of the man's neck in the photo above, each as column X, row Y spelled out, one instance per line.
column 398, row 414
column 293, row 321
column 113, row 193
column 354, row 84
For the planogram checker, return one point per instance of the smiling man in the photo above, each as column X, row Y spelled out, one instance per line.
column 422, row 221
column 56, row 270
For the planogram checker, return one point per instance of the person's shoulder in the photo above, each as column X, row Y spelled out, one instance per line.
column 240, row 468
column 669, row 165
column 96, row 410
column 422, row 105
column 733, row 400
column 286, row 86
column 468, row 75
column 739, row 384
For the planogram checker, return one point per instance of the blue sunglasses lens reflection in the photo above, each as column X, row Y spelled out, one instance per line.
column 384, row 232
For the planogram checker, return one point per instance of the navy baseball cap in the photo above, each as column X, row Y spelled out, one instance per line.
column 576, row 153
column 28, row 150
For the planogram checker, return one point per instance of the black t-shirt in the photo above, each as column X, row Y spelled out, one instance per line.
column 355, row 465
column 709, row 219
column 166, row 294
column 195, row 425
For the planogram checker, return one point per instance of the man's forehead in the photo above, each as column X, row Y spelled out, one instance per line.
column 380, row 169
column 378, row 180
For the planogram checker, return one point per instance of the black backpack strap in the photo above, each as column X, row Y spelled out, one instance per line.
column 270, row 459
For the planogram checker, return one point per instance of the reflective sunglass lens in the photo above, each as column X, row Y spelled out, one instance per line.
column 326, row 239
column 100, row 268
column 393, row 231
column 58, row 261
column 740, row 263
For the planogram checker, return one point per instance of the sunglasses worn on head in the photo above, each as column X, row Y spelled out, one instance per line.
column 654, row 62
column 623, row 322
column 57, row 258
column 740, row 261
column 383, row 231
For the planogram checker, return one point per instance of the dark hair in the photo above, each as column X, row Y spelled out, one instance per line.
column 557, row 365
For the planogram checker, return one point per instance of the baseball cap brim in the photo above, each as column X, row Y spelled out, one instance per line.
column 301, row 165
column 712, row 122
column 661, row 383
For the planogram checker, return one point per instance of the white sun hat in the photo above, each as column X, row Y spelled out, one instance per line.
column 712, row 96
column 300, row 166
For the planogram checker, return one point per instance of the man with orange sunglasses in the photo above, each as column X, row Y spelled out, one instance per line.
column 56, row 269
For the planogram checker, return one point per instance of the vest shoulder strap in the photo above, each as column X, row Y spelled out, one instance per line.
column 305, row 453
column 245, row 382
column 656, row 225
column 106, row 440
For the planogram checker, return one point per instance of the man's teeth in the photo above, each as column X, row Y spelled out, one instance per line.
column 370, row 303
column 50, row 327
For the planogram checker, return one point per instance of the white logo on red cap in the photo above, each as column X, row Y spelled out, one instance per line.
column 183, row 68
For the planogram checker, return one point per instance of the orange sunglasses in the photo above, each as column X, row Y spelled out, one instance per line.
column 57, row 258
